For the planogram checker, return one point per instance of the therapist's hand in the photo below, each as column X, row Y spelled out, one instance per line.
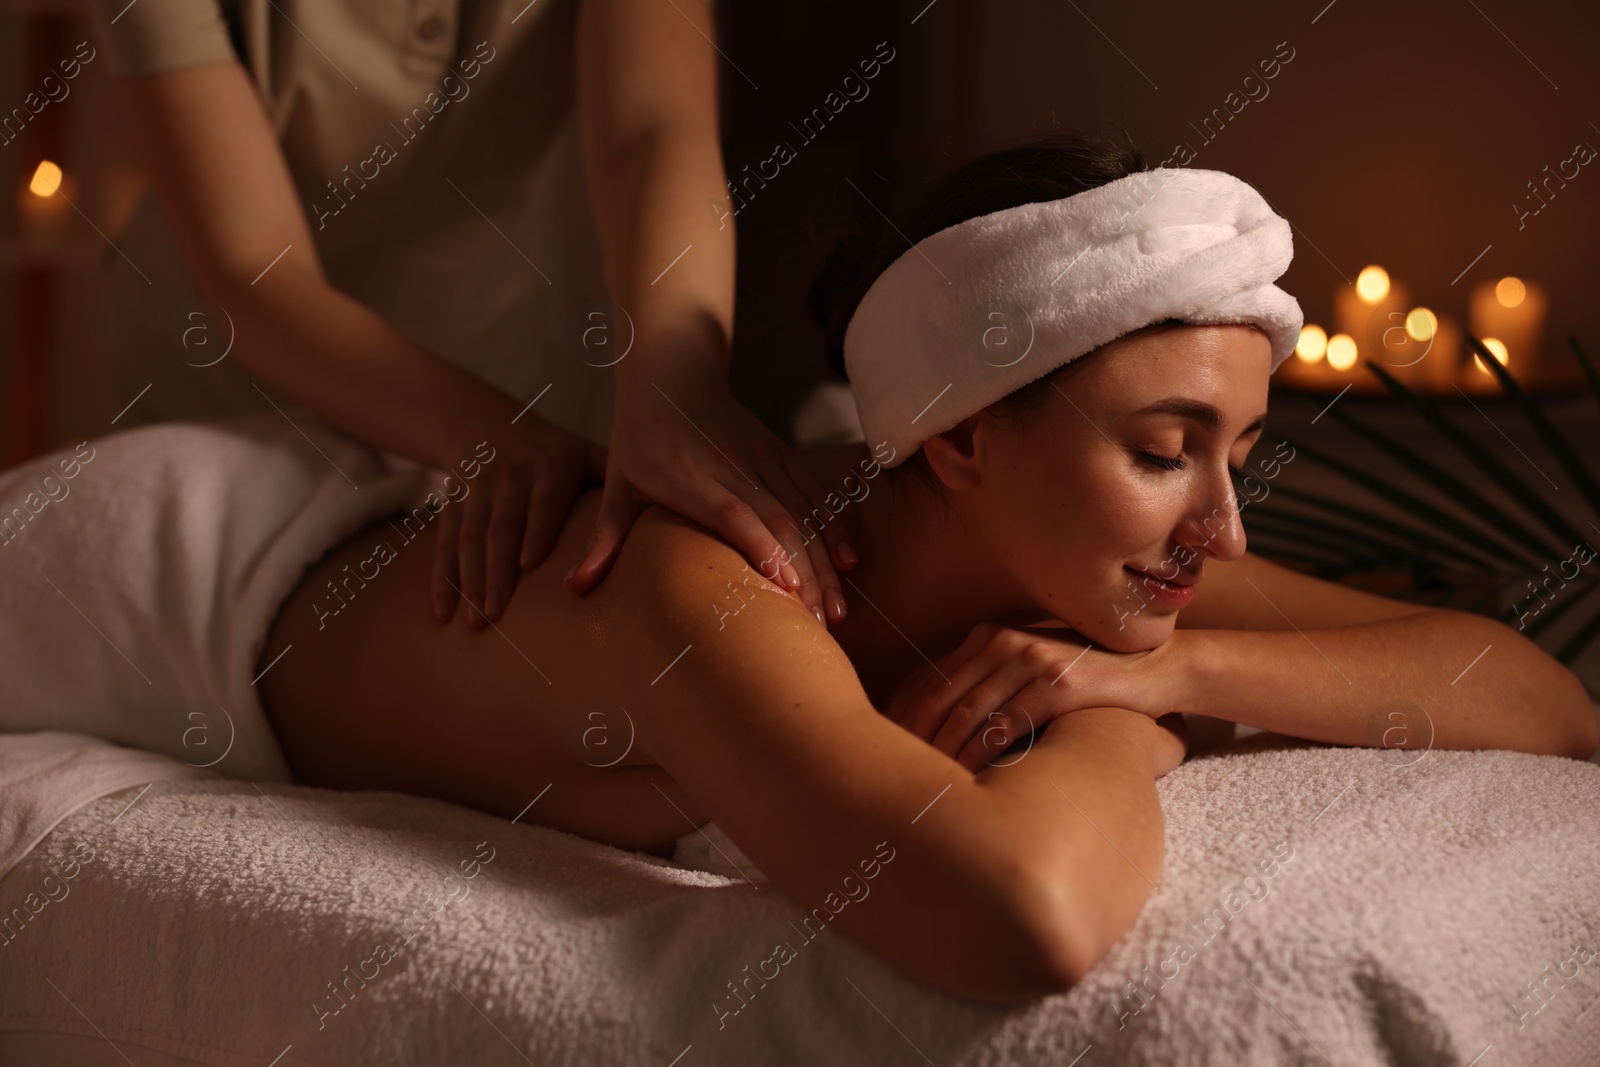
column 689, row 444
column 511, row 516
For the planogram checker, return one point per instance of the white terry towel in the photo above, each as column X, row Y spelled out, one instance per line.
column 983, row 307
column 1317, row 905
column 44, row 777
column 139, row 575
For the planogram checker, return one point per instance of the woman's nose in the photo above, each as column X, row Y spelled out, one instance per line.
column 1214, row 527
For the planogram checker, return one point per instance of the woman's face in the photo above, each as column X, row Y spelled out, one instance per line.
column 1117, row 473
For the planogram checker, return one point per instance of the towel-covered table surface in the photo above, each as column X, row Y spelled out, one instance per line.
column 1317, row 905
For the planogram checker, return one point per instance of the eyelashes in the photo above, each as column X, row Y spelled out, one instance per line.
column 1176, row 463
column 1166, row 463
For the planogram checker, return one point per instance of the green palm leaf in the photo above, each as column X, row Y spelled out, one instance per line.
column 1557, row 444
column 1548, row 617
column 1416, row 535
column 1409, row 502
column 1466, row 556
column 1513, row 486
column 1588, row 368
column 1580, row 640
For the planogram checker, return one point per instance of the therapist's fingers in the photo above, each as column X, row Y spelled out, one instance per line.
column 503, row 540
column 793, row 553
column 471, row 554
column 620, row 505
column 446, row 575
column 822, row 589
column 547, row 508
column 752, row 528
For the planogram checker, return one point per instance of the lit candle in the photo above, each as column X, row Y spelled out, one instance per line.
column 1421, row 350
column 42, row 211
column 1306, row 369
column 1475, row 379
column 1366, row 312
column 46, row 179
column 1511, row 311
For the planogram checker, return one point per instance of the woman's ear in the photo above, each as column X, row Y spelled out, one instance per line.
column 956, row 455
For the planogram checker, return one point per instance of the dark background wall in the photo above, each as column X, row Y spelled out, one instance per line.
column 1399, row 133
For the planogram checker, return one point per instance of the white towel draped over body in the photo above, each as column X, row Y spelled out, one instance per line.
column 140, row 572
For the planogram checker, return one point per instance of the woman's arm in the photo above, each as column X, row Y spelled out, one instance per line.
column 1004, row 886
column 647, row 95
column 223, row 183
column 1271, row 648
column 1281, row 651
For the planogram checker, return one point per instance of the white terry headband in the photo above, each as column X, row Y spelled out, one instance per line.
column 980, row 309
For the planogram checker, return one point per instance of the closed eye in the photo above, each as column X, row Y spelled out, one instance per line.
column 1168, row 463
column 1176, row 463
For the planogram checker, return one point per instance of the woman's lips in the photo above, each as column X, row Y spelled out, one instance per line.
column 1171, row 594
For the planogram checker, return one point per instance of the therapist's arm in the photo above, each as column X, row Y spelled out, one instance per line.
column 647, row 93
column 225, row 187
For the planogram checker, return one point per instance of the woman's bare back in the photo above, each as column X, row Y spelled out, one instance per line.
column 374, row 693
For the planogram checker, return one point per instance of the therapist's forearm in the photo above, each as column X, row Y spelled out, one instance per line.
column 1479, row 683
column 341, row 360
column 668, row 244
column 647, row 106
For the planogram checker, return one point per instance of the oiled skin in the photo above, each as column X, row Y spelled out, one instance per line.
column 382, row 696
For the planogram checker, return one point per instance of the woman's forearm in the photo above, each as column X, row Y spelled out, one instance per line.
column 1479, row 684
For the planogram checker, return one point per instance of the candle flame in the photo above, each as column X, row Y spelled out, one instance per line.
column 1372, row 284
column 1497, row 348
column 1510, row 291
column 1341, row 351
column 1421, row 324
column 46, row 179
column 1312, row 344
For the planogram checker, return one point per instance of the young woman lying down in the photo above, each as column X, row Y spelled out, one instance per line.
column 1058, row 383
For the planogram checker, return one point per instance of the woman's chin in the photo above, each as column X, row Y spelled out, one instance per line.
column 1137, row 635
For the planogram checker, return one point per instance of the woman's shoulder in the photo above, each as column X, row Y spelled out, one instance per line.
column 680, row 561
column 691, row 611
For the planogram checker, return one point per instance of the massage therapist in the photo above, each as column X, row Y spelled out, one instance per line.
column 445, row 222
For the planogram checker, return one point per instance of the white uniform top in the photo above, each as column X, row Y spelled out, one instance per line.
column 435, row 147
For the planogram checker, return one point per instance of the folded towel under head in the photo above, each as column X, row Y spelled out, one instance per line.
column 982, row 308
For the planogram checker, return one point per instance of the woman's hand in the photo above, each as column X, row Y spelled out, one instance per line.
column 694, row 448
column 511, row 515
column 1002, row 684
